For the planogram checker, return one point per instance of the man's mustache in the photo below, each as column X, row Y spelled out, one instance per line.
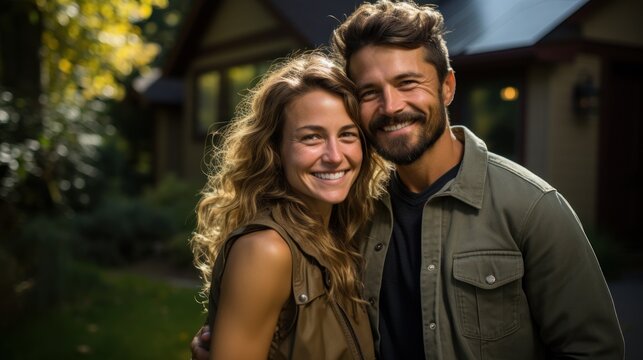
column 383, row 120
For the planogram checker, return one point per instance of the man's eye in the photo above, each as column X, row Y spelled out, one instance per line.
column 350, row 135
column 367, row 95
column 407, row 83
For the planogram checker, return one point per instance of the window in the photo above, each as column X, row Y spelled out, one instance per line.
column 492, row 110
column 219, row 91
column 208, row 93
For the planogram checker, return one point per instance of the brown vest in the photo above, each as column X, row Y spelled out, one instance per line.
column 310, row 325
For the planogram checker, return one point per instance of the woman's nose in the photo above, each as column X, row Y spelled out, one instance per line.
column 332, row 154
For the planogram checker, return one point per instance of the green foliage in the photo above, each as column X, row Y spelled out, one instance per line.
column 61, row 151
column 126, row 317
column 10, row 284
column 37, row 259
column 177, row 199
column 123, row 230
column 38, row 267
column 87, row 50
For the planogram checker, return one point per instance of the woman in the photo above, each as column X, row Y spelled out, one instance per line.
column 278, row 222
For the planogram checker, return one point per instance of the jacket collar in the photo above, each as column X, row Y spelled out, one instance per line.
column 468, row 185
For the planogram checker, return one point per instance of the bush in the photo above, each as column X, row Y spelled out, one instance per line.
column 177, row 200
column 37, row 267
column 9, row 284
column 123, row 230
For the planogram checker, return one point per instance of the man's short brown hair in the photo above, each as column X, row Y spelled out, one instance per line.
column 401, row 24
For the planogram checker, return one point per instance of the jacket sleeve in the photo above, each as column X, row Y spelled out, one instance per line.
column 567, row 293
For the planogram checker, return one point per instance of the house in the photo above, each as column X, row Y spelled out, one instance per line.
column 553, row 84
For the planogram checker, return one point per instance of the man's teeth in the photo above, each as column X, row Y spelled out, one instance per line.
column 396, row 126
column 330, row 176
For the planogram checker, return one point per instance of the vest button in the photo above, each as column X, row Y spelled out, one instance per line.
column 371, row 301
column 379, row 246
column 303, row 298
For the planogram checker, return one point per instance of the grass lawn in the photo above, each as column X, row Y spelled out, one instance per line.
column 129, row 317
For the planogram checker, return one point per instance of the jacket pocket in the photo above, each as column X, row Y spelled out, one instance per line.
column 487, row 292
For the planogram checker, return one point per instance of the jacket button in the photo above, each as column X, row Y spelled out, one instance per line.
column 490, row 279
column 379, row 246
column 303, row 298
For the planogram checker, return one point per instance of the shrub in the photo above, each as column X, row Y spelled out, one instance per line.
column 177, row 199
column 38, row 269
column 123, row 230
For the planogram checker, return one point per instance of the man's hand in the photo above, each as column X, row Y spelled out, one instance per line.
column 200, row 345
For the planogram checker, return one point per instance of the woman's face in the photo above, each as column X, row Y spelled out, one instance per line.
column 321, row 149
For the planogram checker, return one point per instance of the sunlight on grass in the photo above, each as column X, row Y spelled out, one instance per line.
column 130, row 317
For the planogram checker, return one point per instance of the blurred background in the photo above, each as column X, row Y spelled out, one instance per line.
column 106, row 110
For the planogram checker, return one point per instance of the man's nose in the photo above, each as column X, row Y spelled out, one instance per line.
column 392, row 101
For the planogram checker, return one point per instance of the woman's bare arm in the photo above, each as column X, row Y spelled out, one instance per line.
column 255, row 286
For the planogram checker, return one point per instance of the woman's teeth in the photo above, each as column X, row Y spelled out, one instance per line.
column 330, row 176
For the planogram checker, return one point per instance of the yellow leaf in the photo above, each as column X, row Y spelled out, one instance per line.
column 64, row 65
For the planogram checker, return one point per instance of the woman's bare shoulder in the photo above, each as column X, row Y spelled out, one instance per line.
column 263, row 247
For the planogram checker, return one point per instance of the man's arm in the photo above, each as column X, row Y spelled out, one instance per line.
column 567, row 293
column 200, row 344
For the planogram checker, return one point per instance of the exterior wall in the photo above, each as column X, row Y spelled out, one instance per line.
column 616, row 21
column 238, row 18
column 168, row 145
column 232, row 20
column 561, row 147
column 537, row 120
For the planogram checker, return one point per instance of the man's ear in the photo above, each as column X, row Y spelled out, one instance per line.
column 448, row 88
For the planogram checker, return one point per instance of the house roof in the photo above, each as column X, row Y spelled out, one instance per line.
column 479, row 26
column 474, row 26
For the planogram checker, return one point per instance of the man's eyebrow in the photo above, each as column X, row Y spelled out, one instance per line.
column 408, row 74
column 398, row 77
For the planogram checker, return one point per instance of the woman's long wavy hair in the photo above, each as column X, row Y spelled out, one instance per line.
column 247, row 177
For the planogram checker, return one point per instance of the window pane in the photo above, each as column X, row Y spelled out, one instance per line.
column 241, row 79
column 492, row 111
column 208, row 99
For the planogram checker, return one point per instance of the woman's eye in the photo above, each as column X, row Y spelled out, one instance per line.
column 311, row 138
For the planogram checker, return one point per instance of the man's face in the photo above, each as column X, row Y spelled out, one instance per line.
column 402, row 102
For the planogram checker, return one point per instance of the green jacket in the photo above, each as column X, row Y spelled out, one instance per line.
column 507, row 271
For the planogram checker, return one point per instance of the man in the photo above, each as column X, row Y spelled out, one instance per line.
column 471, row 256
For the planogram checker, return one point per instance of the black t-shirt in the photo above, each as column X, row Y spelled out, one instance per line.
column 400, row 308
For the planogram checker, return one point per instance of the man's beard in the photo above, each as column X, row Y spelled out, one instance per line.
column 398, row 150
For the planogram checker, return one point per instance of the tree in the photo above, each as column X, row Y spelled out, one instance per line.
column 85, row 50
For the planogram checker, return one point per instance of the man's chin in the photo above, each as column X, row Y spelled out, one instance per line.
column 399, row 154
